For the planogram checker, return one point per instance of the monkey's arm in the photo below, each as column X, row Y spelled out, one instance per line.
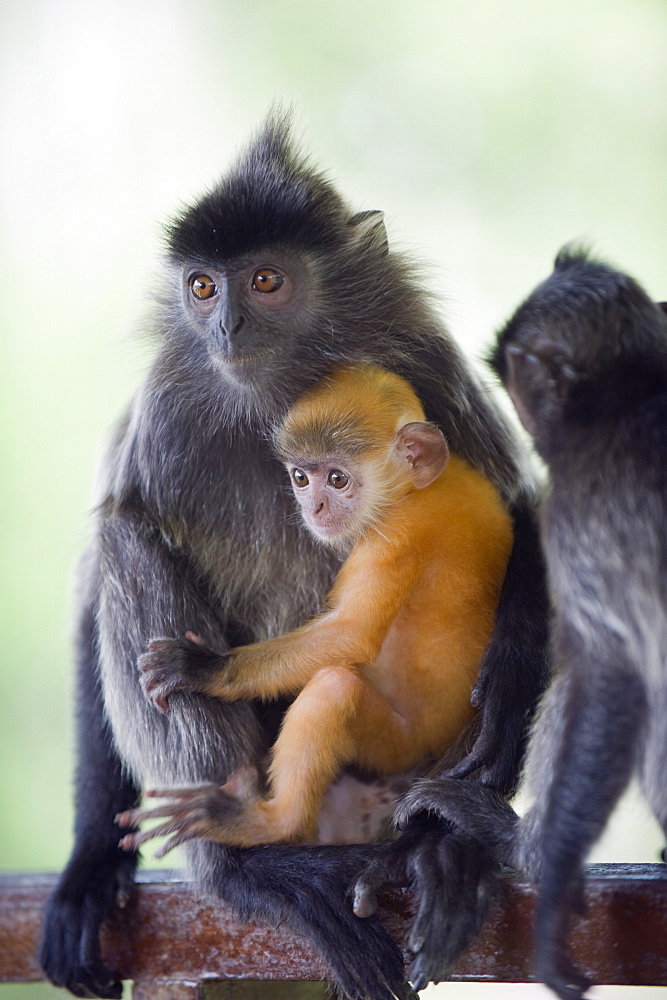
column 516, row 665
column 99, row 874
column 366, row 598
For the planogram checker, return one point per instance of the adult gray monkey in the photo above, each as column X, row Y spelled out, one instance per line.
column 270, row 282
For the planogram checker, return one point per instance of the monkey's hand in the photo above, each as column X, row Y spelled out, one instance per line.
column 495, row 757
column 552, row 961
column 193, row 811
column 171, row 665
column 484, row 750
column 452, row 880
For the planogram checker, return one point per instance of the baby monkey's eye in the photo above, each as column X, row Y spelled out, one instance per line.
column 299, row 478
column 203, row 286
column 337, row 479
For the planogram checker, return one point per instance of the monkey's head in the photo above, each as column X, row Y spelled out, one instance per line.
column 353, row 446
column 580, row 346
column 275, row 280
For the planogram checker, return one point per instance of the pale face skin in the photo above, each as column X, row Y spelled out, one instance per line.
column 339, row 500
column 329, row 497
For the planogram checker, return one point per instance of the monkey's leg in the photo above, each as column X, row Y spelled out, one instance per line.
column 596, row 756
column 99, row 875
column 338, row 718
column 324, row 729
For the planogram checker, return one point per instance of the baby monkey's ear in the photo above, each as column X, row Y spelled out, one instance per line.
column 423, row 448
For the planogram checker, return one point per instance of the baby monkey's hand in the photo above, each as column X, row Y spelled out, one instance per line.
column 171, row 665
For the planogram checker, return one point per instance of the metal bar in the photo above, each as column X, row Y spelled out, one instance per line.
column 169, row 935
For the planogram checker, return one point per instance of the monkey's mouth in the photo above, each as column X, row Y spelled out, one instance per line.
column 327, row 530
column 242, row 359
column 332, row 532
column 242, row 364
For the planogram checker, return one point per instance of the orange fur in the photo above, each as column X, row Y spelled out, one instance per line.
column 383, row 678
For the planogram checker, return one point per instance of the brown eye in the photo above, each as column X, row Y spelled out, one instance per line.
column 267, row 279
column 337, row 479
column 299, row 478
column 203, row 287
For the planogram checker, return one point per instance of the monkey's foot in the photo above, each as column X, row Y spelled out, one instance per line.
column 210, row 812
column 452, row 880
column 96, row 881
column 194, row 811
column 171, row 665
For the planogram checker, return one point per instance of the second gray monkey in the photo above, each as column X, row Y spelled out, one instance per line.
column 585, row 362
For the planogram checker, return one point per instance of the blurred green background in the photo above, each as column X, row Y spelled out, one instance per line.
column 489, row 132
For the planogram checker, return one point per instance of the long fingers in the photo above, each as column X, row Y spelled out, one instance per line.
column 186, row 812
column 175, row 841
column 187, row 793
column 132, row 841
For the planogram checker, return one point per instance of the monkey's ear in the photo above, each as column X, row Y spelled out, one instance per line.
column 538, row 378
column 423, row 448
column 369, row 228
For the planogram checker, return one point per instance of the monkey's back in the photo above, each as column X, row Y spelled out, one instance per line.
column 605, row 529
column 455, row 538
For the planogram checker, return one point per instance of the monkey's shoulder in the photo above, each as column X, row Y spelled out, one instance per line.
column 628, row 396
column 621, row 441
column 463, row 491
column 177, row 464
column 457, row 515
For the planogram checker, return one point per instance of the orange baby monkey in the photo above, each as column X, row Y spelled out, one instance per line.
column 383, row 678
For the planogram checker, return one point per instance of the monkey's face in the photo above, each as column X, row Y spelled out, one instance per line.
column 330, row 498
column 250, row 313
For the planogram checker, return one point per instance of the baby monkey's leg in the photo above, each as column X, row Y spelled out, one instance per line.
column 338, row 719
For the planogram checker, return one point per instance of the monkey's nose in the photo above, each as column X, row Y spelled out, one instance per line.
column 226, row 332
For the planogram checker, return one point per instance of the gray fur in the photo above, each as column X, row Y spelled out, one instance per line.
column 585, row 362
column 195, row 530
